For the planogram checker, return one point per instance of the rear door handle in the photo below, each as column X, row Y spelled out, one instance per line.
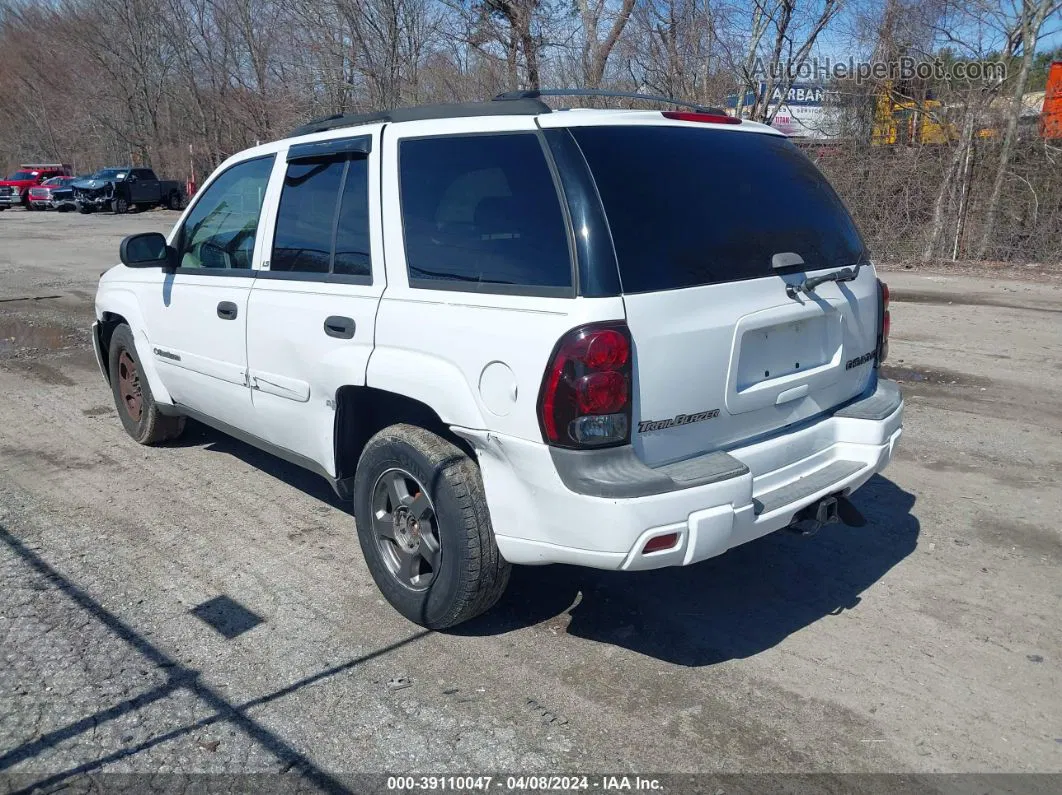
column 339, row 327
column 227, row 310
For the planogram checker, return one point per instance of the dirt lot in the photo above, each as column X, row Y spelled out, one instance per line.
column 929, row 641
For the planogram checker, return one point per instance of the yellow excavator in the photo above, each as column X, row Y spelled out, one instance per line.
column 902, row 120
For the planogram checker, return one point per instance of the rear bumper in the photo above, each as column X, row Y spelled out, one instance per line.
column 539, row 518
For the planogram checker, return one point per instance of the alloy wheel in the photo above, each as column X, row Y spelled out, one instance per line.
column 406, row 529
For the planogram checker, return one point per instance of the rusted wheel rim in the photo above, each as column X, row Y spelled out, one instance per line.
column 129, row 386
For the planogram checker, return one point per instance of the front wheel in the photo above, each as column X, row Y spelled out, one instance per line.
column 136, row 405
column 424, row 528
column 119, row 206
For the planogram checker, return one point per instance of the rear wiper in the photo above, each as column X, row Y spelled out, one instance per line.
column 808, row 285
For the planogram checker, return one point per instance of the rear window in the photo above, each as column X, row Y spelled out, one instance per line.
column 690, row 207
column 481, row 213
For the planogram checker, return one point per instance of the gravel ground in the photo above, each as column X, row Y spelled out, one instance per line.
column 204, row 608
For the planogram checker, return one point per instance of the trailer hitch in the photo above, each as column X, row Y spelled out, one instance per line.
column 828, row 510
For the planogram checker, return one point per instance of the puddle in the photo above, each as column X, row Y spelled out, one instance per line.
column 943, row 299
column 31, row 298
column 932, row 376
column 1015, row 535
column 39, row 371
column 17, row 334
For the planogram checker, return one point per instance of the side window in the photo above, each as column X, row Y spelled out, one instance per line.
column 219, row 231
column 352, row 235
column 323, row 218
column 307, row 215
column 482, row 210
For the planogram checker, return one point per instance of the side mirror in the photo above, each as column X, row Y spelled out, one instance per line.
column 146, row 250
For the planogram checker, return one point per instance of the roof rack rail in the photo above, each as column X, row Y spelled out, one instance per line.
column 523, row 106
column 514, row 96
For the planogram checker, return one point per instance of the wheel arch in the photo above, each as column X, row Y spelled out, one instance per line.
column 364, row 411
column 122, row 307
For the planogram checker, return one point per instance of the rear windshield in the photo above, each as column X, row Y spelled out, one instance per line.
column 689, row 207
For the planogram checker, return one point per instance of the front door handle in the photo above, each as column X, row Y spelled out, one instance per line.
column 339, row 327
column 227, row 310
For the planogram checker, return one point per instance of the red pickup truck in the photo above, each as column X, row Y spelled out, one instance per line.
column 15, row 189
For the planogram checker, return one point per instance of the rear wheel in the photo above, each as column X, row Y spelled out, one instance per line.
column 174, row 201
column 424, row 528
column 136, row 406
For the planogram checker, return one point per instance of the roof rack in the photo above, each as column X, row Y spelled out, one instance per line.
column 516, row 96
column 517, row 107
column 511, row 103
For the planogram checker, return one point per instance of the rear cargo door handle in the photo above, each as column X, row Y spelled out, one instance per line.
column 227, row 310
column 339, row 327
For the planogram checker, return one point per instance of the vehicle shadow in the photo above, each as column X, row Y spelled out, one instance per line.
column 729, row 607
column 198, row 435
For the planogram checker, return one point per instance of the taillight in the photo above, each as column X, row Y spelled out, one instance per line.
column 586, row 392
column 886, row 321
column 702, row 118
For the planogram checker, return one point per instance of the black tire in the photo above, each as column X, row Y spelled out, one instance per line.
column 471, row 575
column 84, row 209
column 174, row 201
column 141, row 418
column 119, row 206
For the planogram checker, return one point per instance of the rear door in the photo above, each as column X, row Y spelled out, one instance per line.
column 722, row 354
column 312, row 310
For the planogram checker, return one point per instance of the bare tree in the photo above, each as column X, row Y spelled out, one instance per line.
column 595, row 48
column 796, row 29
column 1022, row 36
column 673, row 49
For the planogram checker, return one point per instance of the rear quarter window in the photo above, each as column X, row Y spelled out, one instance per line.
column 482, row 213
column 689, row 207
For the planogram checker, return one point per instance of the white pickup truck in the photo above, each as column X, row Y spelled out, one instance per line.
column 618, row 339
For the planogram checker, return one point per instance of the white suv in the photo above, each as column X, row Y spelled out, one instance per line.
column 618, row 339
